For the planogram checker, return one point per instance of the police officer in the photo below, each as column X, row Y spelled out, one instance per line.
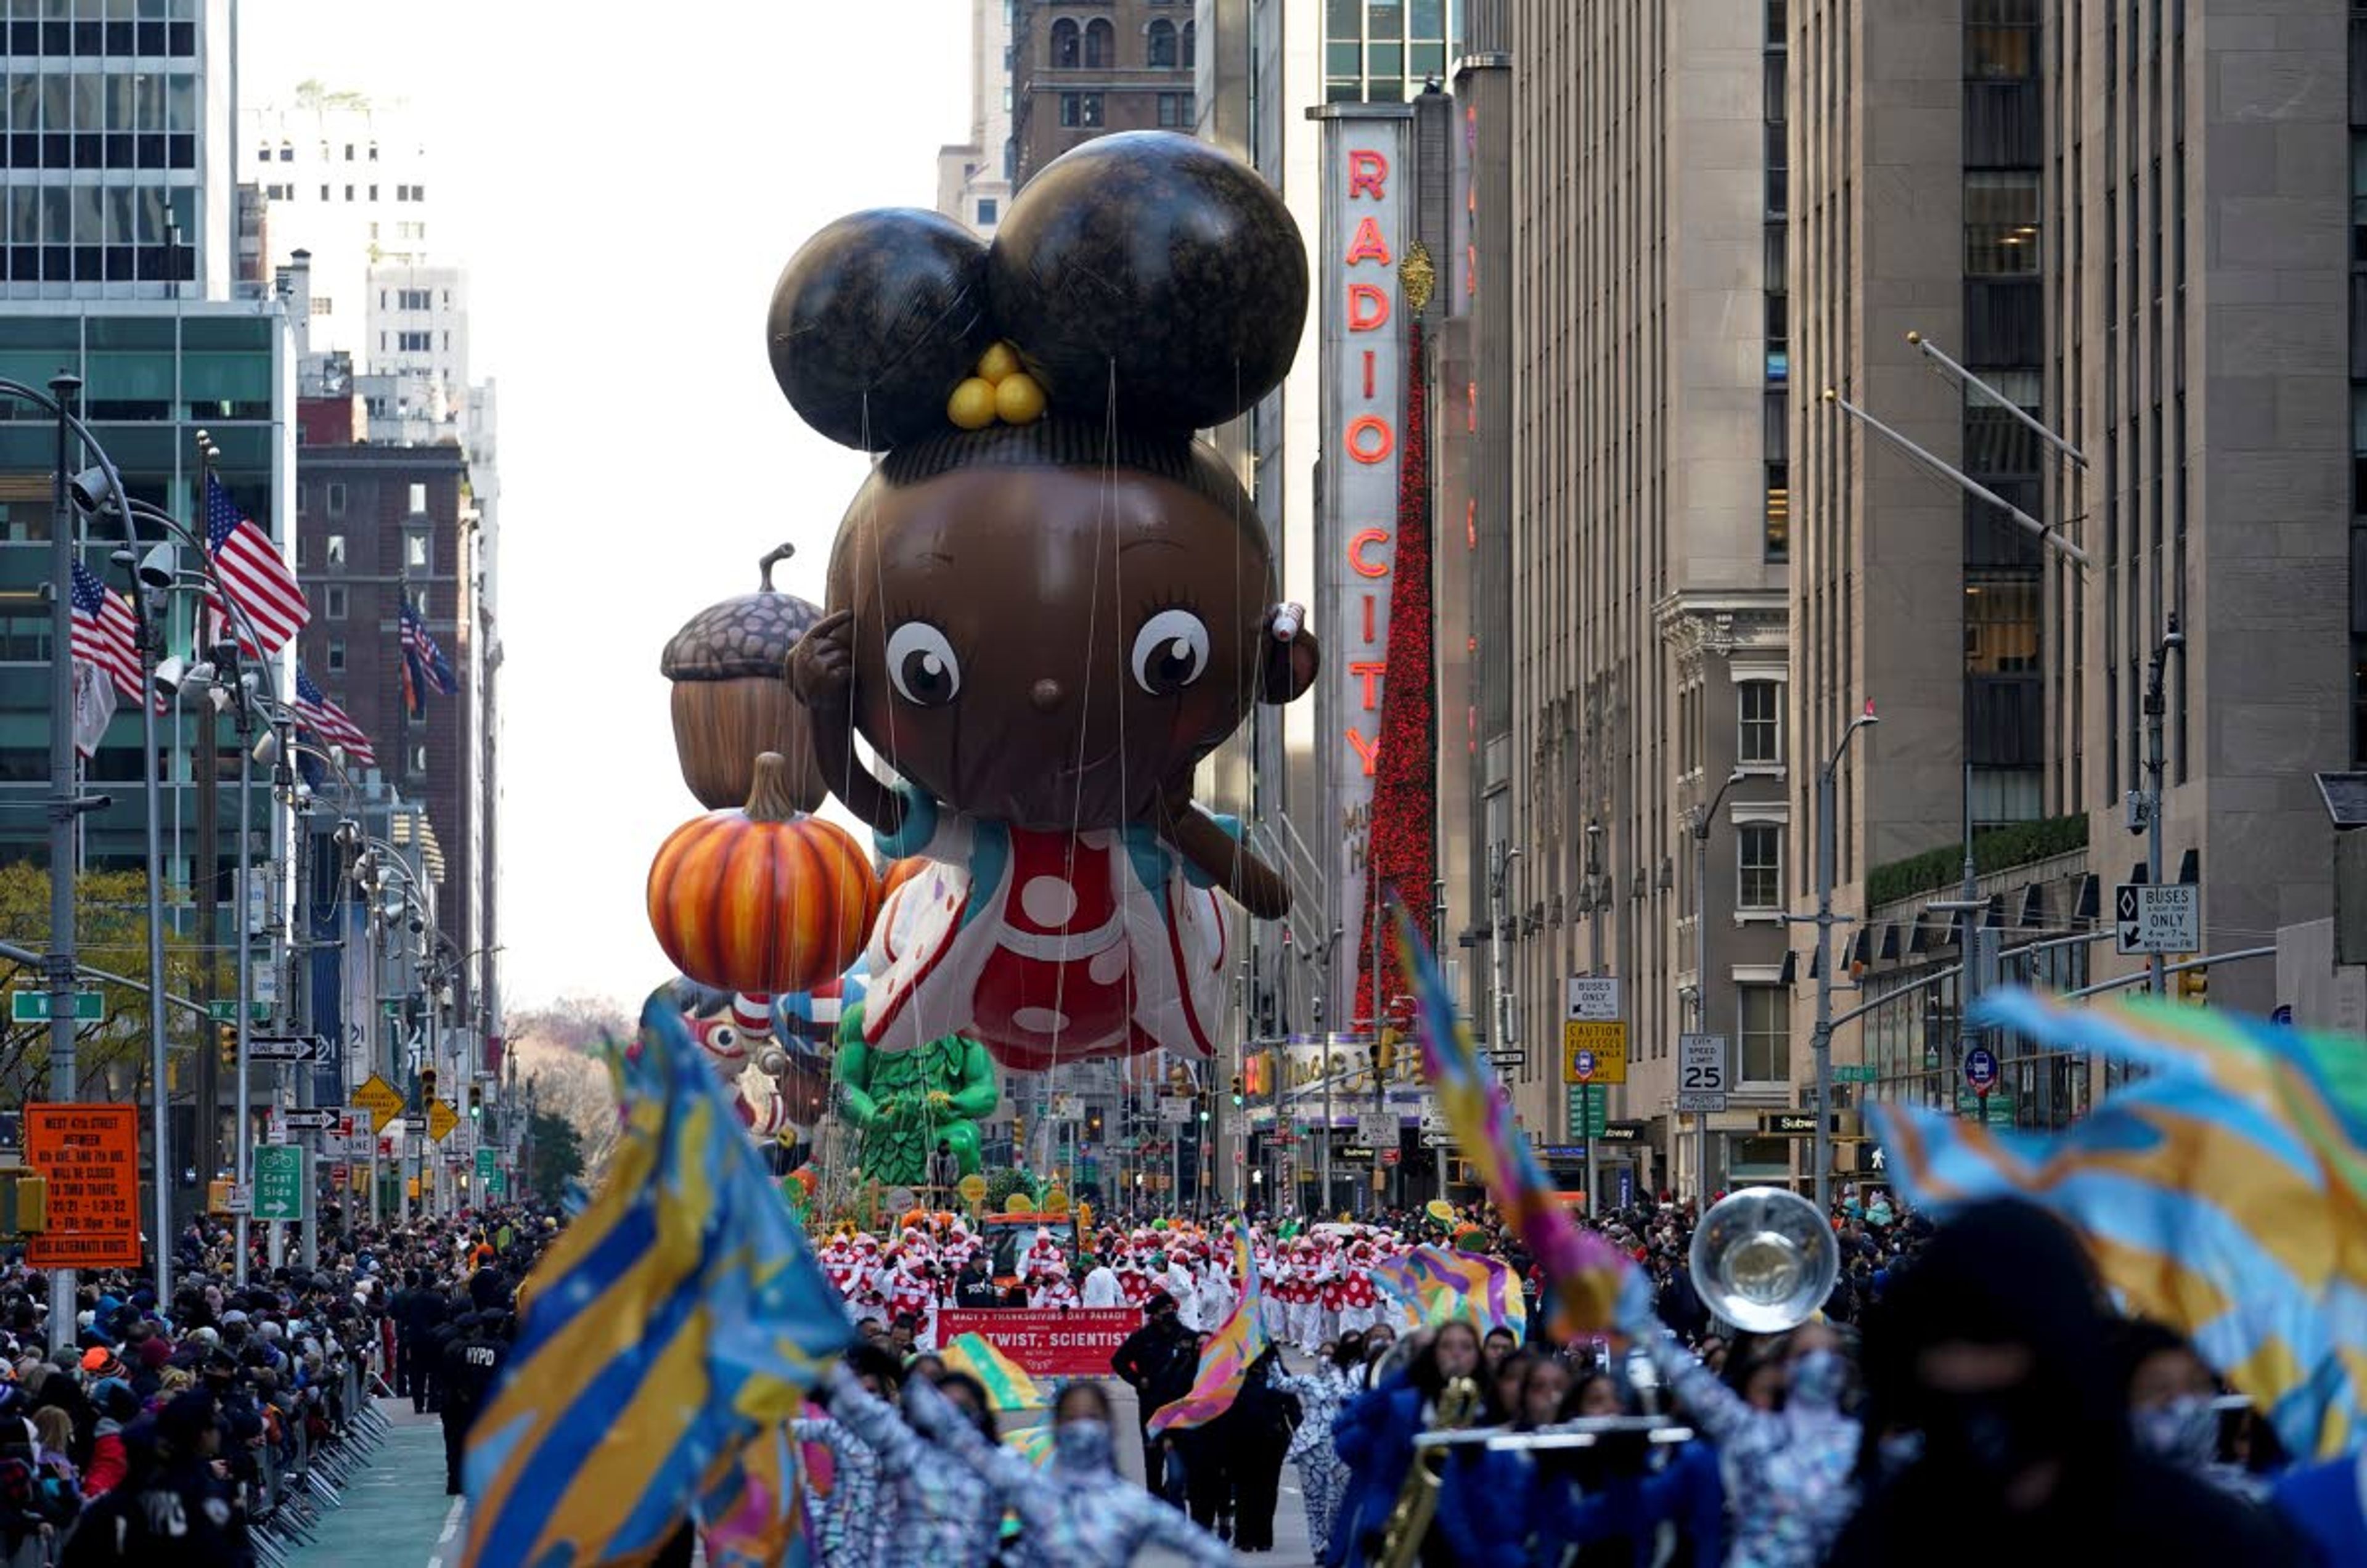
column 472, row 1364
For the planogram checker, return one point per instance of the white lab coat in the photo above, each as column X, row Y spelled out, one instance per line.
column 1101, row 1288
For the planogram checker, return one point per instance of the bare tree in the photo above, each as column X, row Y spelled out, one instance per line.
column 557, row 1048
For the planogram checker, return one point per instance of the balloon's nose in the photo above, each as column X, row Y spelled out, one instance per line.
column 1046, row 694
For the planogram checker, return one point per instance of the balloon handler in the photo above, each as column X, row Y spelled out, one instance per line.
column 1051, row 601
column 902, row 1103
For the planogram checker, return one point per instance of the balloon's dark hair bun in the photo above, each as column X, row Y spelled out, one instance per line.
column 874, row 321
column 1144, row 277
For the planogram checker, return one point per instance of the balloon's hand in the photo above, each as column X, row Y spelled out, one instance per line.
column 1290, row 658
column 822, row 666
column 939, row 1100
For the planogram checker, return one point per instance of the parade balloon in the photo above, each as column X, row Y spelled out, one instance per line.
column 1044, row 621
column 1107, row 264
column 874, row 323
column 729, row 706
column 760, row 898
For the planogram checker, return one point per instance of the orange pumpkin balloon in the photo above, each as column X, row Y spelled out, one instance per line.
column 900, row 871
column 762, row 899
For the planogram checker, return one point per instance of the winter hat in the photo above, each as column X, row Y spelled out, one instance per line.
column 101, row 1362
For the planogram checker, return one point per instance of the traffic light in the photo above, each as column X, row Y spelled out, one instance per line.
column 1385, row 1051
column 1018, row 1128
column 428, row 1083
column 226, row 1037
column 1237, row 1090
column 476, row 1100
column 2195, row 986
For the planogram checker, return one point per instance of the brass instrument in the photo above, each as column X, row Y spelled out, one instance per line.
column 1418, row 1498
column 1765, row 1259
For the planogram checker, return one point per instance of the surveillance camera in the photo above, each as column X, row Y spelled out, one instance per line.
column 2140, row 811
column 347, row 832
column 224, row 654
column 267, row 748
column 159, row 566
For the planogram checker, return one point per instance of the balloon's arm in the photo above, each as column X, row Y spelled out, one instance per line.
column 975, row 1099
column 853, row 1068
column 1225, row 861
column 821, row 673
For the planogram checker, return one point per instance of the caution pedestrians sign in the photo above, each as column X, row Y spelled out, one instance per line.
column 441, row 1119
column 381, row 1099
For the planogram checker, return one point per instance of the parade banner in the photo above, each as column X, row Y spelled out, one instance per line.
column 1074, row 1342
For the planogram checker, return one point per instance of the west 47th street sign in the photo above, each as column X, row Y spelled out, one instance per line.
column 2158, row 918
column 33, row 1006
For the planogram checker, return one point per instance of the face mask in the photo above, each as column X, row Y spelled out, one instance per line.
column 1082, row 1444
column 2185, row 1432
column 1817, row 1380
column 1984, row 1440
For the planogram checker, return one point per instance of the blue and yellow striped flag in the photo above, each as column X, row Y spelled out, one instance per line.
column 2224, row 1192
column 1007, row 1383
column 675, row 1322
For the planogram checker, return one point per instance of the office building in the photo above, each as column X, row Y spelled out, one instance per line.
column 974, row 176
column 121, row 174
column 1083, row 68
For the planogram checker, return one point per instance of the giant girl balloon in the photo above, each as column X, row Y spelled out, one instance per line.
column 1051, row 602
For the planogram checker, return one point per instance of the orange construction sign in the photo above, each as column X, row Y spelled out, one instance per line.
column 90, row 1155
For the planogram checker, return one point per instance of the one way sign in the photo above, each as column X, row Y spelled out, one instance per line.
column 286, row 1048
column 2158, row 918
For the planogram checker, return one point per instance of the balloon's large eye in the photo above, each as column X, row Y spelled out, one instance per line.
column 1170, row 651
column 922, row 664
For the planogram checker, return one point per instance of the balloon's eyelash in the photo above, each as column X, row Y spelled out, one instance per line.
column 1170, row 599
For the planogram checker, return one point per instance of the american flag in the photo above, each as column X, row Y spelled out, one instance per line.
column 106, row 633
column 252, row 573
column 431, row 668
column 332, row 724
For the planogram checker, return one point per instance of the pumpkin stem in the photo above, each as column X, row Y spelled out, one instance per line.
column 769, row 799
column 770, row 559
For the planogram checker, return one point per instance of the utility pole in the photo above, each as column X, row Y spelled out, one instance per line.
column 243, row 1149
column 2172, row 640
column 1827, row 797
column 1595, row 905
column 1702, row 822
column 65, row 811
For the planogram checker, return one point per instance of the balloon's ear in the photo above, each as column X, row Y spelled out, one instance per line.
column 1290, row 667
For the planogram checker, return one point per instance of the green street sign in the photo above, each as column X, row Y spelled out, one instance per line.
column 1855, row 1075
column 495, row 1187
column 486, row 1168
column 281, row 1181
column 1998, row 1112
column 1587, row 1109
column 226, row 1011
column 33, row 1006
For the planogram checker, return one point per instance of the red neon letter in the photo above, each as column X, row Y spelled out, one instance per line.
column 1369, row 245
column 1365, row 749
column 1369, row 670
column 1368, row 172
column 1358, row 561
column 1368, row 307
column 1370, row 440
column 1372, row 621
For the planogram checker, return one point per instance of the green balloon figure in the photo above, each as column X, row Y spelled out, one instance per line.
column 901, row 1103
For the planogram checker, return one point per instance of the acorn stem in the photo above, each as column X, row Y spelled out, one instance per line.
column 770, row 559
column 769, row 797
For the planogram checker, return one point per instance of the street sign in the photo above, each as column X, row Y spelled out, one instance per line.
column 1995, row 1109
column 1701, row 1072
column 1510, row 1058
column 485, row 1165
column 441, row 1119
column 1437, row 1141
column 311, row 1120
column 2158, row 918
column 241, row 1200
column 1593, row 999
column 1855, row 1074
column 226, row 1011
column 89, row 1154
column 1587, row 1109
column 280, row 1184
column 1980, row 1070
column 1787, row 1123
column 1067, row 1107
column 286, row 1048
column 33, row 1006
column 381, row 1099
column 1378, row 1128
column 1621, row 1133
column 1603, row 1046
column 1174, row 1112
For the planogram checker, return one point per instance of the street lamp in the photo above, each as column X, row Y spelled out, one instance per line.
column 1827, row 793
column 1702, row 821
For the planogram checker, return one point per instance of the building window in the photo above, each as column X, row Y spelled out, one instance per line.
column 1759, row 865
column 1759, row 738
column 1775, row 533
column 416, row 554
column 1163, row 45
column 415, row 343
column 1766, row 1033
column 349, row 193
column 1191, row 45
column 286, row 154
column 1073, row 108
column 419, row 759
column 336, row 556
column 323, row 306
column 2001, row 223
column 1175, row 111
column 336, row 501
column 334, row 601
column 415, row 298
column 1101, row 45
column 337, row 657
column 987, row 209
column 1064, row 45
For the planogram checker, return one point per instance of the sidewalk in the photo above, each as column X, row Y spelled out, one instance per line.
column 395, row 1512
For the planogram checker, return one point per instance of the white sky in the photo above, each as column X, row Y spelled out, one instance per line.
column 629, row 182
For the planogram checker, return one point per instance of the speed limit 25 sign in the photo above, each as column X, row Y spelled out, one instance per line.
column 1701, row 1072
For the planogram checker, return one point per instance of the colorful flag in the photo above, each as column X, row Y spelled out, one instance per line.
column 422, row 659
column 252, row 573
column 106, row 632
column 1582, row 1268
column 2222, row 1192
column 1432, row 1283
column 329, row 723
column 1034, row 1442
column 1225, row 1360
column 751, row 1512
column 1007, row 1384
column 674, row 1323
